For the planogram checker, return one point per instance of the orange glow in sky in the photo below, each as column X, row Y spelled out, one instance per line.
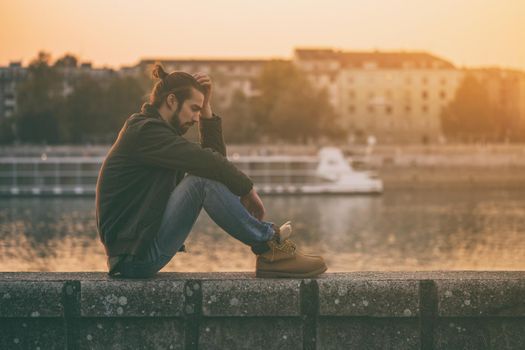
column 118, row 32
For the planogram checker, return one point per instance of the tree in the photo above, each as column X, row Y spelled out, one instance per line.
column 290, row 108
column 67, row 61
column 81, row 115
column 122, row 97
column 470, row 116
column 38, row 98
column 239, row 125
column 60, row 103
column 7, row 135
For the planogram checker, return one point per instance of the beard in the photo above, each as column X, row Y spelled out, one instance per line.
column 176, row 123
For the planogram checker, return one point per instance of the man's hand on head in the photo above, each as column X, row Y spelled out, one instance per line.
column 205, row 81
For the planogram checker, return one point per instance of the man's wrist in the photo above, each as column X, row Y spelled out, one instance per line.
column 252, row 190
column 207, row 113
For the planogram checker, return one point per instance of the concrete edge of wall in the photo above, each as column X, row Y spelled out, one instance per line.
column 402, row 310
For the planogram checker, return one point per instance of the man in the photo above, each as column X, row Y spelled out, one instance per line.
column 154, row 182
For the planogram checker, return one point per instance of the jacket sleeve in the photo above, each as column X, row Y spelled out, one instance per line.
column 157, row 145
column 210, row 131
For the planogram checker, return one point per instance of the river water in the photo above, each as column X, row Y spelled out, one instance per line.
column 399, row 230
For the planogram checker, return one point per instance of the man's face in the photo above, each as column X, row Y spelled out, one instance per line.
column 189, row 113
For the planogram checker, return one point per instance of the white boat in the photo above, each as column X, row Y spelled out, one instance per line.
column 63, row 175
column 328, row 172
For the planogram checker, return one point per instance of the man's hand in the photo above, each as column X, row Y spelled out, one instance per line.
column 253, row 204
column 205, row 81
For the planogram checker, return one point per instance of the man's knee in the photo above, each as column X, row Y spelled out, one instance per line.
column 192, row 178
column 204, row 182
column 193, row 181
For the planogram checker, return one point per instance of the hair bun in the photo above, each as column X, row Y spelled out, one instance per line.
column 158, row 72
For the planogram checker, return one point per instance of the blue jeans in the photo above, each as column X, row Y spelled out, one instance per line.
column 184, row 205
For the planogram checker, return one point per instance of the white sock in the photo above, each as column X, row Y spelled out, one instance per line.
column 285, row 230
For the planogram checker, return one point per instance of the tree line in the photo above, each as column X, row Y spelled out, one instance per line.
column 58, row 103
column 61, row 104
column 58, row 107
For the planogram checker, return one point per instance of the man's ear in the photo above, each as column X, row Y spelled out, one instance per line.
column 172, row 101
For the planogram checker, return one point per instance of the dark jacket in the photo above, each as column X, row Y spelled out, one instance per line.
column 146, row 162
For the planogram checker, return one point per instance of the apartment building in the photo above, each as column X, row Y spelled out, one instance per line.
column 10, row 77
column 393, row 96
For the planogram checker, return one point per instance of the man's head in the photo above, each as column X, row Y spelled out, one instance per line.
column 178, row 97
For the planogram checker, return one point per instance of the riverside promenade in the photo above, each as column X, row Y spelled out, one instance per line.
column 355, row 310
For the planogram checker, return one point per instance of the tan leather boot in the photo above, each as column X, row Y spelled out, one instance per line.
column 283, row 259
column 285, row 231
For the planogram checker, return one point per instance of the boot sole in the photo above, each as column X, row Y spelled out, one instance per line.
column 272, row 274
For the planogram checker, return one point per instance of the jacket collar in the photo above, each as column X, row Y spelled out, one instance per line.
column 152, row 112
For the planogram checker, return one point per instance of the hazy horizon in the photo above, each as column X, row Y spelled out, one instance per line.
column 468, row 33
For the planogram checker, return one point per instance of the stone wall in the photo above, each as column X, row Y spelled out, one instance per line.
column 388, row 310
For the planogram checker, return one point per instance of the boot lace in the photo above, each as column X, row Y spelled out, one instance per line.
column 287, row 246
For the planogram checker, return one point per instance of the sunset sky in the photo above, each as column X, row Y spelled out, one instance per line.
column 118, row 32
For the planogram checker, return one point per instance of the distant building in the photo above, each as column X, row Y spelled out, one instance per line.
column 10, row 77
column 393, row 96
column 72, row 72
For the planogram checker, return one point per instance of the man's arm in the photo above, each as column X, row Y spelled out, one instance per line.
column 210, row 130
column 210, row 125
column 156, row 144
column 211, row 136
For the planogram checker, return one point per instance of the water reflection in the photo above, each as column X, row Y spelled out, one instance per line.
column 400, row 230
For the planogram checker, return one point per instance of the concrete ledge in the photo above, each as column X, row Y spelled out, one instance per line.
column 259, row 297
column 378, row 298
column 481, row 297
column 362, row 310
column 141, row 298
column 31, row 299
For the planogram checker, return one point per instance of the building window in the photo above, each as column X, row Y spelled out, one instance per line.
column 388, row 109
column 443, row 95
column 424, row 94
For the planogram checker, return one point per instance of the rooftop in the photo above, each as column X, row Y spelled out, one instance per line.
column 383, row 59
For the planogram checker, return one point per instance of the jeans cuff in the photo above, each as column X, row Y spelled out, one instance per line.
column 262, row 247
